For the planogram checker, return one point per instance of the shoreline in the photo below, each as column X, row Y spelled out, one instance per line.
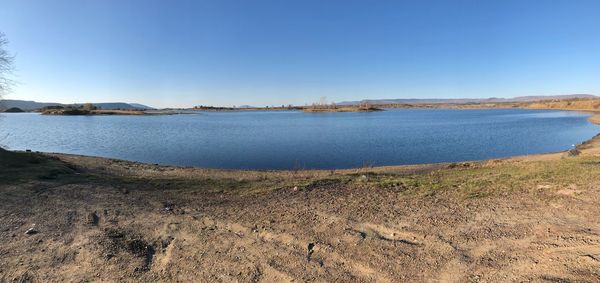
column 585, row 105
column 109, row 113
column 592, row 143
column 594, row 119
column 595, row 141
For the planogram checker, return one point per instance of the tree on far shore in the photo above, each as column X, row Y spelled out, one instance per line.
column 89, row 107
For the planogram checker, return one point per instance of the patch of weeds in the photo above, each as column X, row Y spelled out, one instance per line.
column 187, row 184
column 54, row 173
column 123, row 241
column 389, row 183
column 477, row 194
column 23, row 166
column 323, row 184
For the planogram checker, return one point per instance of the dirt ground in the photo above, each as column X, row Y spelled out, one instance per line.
column 528, row 219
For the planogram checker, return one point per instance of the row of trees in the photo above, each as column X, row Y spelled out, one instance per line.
column 323, row 104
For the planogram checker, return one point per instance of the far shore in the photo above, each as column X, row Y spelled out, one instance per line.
column 341, row 109
column 579, row 104
column 78, row 112
column 574, row 104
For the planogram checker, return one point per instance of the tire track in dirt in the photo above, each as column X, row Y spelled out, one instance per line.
column 286, row 243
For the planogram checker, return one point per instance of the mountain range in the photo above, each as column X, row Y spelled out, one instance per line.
column 32, row 105
column 467, row 100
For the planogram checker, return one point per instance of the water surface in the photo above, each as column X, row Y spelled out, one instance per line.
column 288, row 139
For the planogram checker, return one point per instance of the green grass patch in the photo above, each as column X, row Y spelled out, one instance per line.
column 486, row 181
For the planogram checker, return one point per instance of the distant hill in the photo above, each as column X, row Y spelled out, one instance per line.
column 25, row 105
column 119, row 105
column 32, row 105
column 14, row 110
column 141, row 106
column 467, row 100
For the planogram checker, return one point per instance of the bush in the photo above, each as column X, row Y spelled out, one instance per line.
column 14, row 110
column 89, row 107
column 75, row 112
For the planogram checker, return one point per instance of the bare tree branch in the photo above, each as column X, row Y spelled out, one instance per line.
column 6, row 66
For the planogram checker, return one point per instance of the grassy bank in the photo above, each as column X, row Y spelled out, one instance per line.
column 24, row 166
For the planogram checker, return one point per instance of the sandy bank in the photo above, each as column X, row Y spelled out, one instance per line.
column 595, row 119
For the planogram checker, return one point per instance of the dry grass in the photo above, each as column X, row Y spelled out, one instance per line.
column 567, row 104
column 576, row 104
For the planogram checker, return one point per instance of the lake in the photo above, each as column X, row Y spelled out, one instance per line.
column 292, row 139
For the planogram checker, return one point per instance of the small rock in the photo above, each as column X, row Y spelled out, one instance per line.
column 573, row 152
column 93, row 219
column 31, row 231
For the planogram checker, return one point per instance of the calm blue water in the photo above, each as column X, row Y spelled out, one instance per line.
column 280, row 140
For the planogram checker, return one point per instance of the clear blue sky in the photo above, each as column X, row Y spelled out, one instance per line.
column 221, row 52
